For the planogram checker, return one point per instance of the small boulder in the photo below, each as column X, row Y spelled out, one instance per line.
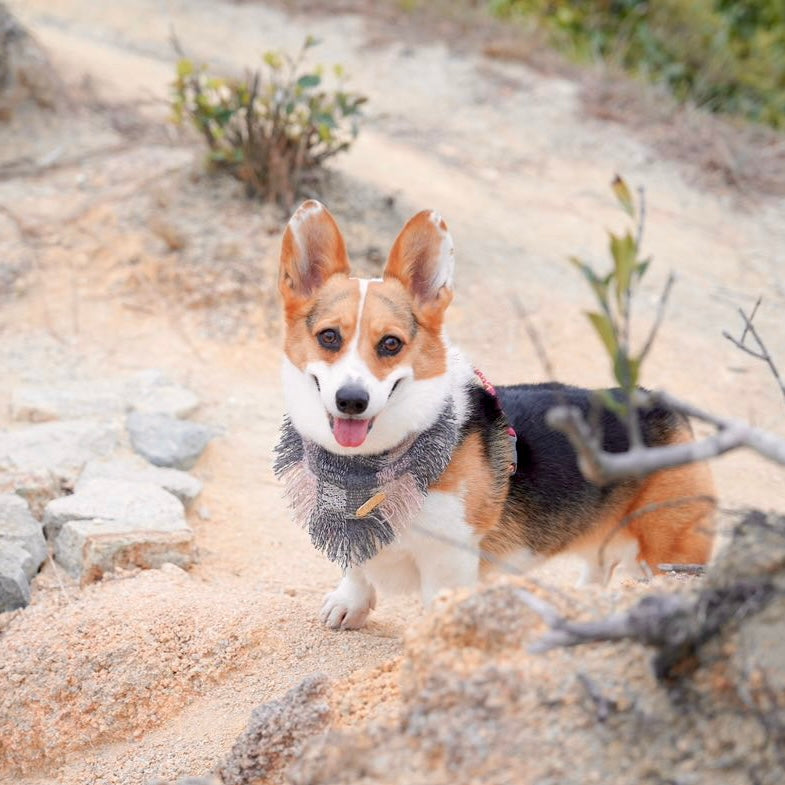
column 69, row 401
column 138, row 504
column 14, row 583
column 110, row 524
column 38, row 461
column 167, row 441
column 152, row 392
column 18, row 526
column 134, row 469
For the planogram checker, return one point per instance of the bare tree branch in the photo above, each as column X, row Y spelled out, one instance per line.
column 534, row 337
column 601, row 467
column 641, row 216
column 752, row 316
column 642, row 622
column 762, row 352
column 658, row 319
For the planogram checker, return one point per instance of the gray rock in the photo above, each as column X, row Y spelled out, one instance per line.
column 148, row 391
column 18, row 526
column 142, row 505
column 14, row 585
column 110, row 524
column 152, row 393
column 134, row 469
column 166, row 441
column 38, row 461
column 95, row 398
column 89, row 549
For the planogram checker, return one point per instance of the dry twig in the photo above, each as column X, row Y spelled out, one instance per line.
column 659, row 317
column 761, row 353
column 534, row 337
column 602, row 468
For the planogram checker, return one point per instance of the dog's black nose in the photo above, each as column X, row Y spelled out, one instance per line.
column 351, row 399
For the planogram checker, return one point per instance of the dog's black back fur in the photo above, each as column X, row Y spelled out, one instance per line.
column 549, row 499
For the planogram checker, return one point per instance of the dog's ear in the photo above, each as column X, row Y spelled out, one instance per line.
column 312, row 250
column 422, row 259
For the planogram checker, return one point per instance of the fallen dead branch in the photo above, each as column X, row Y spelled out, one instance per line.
column 678, row 625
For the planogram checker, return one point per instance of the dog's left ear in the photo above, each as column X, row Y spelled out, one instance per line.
column 422, row 259
column 312, row 250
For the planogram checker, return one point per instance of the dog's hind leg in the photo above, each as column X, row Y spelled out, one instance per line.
column 672, row 516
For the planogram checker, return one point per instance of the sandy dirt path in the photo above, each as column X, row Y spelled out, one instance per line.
column 522, row 180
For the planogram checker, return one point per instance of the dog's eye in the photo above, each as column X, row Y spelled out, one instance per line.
column 390, row 345
column 329, row 339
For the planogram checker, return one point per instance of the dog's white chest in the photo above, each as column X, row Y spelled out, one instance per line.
column 438, row 550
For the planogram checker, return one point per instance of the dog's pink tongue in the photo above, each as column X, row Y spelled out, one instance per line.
column 350, row 433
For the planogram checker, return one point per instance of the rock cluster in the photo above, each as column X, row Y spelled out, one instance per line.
column 69, row 480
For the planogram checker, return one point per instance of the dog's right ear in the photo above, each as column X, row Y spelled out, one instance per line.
column 312, row 250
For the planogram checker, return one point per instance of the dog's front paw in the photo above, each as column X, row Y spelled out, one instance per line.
column 347, row 607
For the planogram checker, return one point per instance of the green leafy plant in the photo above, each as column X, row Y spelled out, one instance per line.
column 725, row 55
column 275, row 127
column 614, row 293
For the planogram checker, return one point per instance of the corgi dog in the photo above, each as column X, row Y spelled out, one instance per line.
column 382, row 409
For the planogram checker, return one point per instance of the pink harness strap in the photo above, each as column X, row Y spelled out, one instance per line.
column 491, row 390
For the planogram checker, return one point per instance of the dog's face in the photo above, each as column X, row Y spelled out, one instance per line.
column 366, row 360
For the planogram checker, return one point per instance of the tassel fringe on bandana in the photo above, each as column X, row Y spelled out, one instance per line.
column 354, row 505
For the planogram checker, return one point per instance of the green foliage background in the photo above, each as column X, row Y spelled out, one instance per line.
column 725, row 55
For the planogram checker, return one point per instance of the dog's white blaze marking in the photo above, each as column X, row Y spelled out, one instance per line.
column 363, row 282
column 351, row 368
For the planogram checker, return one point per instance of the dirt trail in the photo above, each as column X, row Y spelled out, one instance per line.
column 520, row 178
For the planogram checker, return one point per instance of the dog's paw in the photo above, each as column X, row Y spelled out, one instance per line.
column 347, row 607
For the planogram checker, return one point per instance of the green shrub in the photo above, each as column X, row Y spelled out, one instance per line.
column 725, row 55
column 614, row 292
column 274, row 128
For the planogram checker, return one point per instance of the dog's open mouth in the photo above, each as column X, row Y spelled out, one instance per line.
column 349, row 432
